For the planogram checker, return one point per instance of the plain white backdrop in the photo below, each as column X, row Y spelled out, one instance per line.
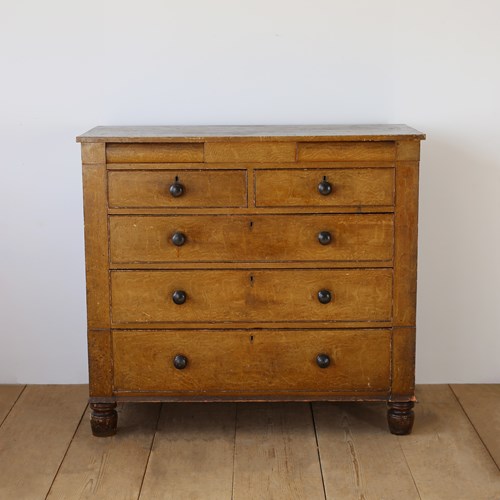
column 68, row 66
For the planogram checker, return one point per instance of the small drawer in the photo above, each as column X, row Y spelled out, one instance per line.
column 154, row 153
column 201, row 296
column 368, row 187
column 251, row 361
column 177, row 188
column 251, row 238
column 346, row 151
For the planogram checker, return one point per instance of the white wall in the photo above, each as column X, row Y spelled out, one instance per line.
column 67, row 66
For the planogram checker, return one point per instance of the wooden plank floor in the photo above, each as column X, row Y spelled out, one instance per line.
column 250, row 451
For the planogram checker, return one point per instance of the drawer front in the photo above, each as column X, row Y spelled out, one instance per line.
column 255, row 238
column 346, row 151
column 251, row 361
column 251, row 296
column 325, row 187
column 177, row 188
column 153, row 153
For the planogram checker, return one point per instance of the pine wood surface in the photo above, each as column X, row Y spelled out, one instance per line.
column 35, row 436
column 249, row 450
column 219, row 238
column 150, row 189
column 246, row 362
column 250, row 133
column 481, row 403
column 370, row 187
column 274, row 295
column 8, row 396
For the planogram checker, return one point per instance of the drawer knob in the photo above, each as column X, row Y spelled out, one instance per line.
column 179, row 297
column 178, row 239
column 325, row 238
column 324, row 296
column 323, row 360
column 324, row 187
column 176, row 189
column 180, row 362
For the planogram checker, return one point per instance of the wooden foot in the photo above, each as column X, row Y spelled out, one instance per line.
column 103, row 419
column 400, row 417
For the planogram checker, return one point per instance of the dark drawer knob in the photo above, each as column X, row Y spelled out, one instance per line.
column 323, row 360
column 324, row 296
column 179, row 297
column 178, row 239
column 325, row 238
column 180, row 362
column 176, row 189
column 324, row 187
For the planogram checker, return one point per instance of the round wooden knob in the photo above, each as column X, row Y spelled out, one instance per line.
column 176, row 189
column 180, row 362
column 325, row 238
column 324, row 296
column 179, row 297
column 323, row 360
column 178, row 239
column 324, row 188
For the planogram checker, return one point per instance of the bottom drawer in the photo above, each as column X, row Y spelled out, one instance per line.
column 252, row 361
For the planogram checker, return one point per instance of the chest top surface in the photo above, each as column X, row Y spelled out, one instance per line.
column 190, row 133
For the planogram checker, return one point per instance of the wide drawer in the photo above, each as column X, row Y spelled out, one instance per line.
column 251, row 295
column 222, row 238
column 340, row 187
column 251, row 361
column 197, row 188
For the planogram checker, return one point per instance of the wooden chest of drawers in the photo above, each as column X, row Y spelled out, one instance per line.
column 251, row 263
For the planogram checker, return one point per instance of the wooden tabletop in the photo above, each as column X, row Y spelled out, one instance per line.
column 195, row 133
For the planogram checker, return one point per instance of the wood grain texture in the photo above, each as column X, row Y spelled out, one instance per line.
column 460, row 466
column 346, row 151
column 100, row 363
column 481, row 403
column 359, row 459
column 234, row 239
column 350, row 187
column 192, row 455
column 174, row 133
column 111, row 467
column 256, row 361
column 249, row 151
column 275, row 453
column 35, row 437
column 269, row 165
column 96, row 244
column 213, row 188
column 405, row 244
column 93, row 153
column 8, row 397
column 408, row 150
column 154, row 153
column 403, row 364
column 260, row 295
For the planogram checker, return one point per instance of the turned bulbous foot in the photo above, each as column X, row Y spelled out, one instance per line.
column 103, row 419
column 400, row 417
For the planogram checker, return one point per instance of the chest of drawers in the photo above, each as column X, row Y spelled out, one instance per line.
column 251, row 264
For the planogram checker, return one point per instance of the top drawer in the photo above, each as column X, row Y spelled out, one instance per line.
column 180, row 188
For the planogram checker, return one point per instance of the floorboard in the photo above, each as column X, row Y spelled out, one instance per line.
column 359, row 458
column 481, row 403
column 447, row 459
column 276, row 456
column 192, row 454
column 35, row 436
column 8, row 396
column 105, row 468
